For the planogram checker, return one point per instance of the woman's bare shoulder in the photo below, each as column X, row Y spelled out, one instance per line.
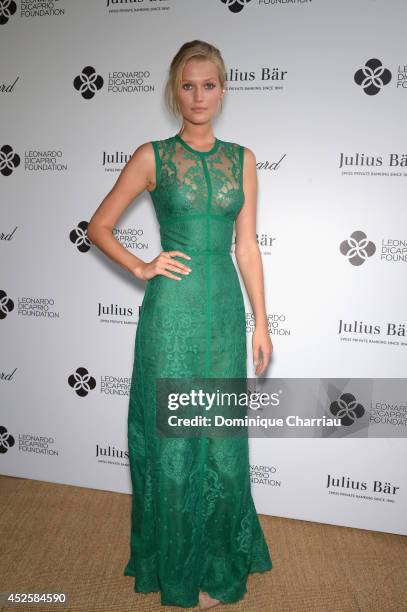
column 146, row 149
column 248, row 153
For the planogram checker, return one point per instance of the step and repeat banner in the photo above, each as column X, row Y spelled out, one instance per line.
column 317, row 90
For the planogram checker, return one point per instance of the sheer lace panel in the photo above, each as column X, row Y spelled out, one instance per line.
column 189, row 181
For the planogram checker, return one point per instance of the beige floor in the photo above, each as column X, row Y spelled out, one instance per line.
column 58, row 537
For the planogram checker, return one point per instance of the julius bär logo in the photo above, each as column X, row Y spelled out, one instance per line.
column 235, row 6
column 79, row 236
column 357, row 248
column 8, row 160
column 7, row 9
column 372, row 77
column 6, row 304
column 88, row 82
column 82, row 382
column 6, row 440
column 347, row 408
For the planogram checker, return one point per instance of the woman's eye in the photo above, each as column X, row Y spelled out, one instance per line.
column 187, row 85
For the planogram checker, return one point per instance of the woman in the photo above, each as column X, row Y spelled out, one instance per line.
column 195, row 533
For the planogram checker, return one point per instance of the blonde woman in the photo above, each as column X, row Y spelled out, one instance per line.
column 195, row 533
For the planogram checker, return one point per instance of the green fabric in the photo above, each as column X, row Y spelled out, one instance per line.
column 194, row 525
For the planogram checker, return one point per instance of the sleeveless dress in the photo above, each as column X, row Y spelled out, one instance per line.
column 194, row 525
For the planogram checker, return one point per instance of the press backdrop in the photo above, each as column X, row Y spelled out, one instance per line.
column 318, row 90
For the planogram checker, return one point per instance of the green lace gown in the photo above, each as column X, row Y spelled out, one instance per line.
column 194, row 525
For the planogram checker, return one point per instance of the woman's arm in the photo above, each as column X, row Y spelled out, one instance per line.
column 136, row 176
column 248, row 258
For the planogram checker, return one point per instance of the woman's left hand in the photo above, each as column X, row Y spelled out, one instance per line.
column 261, row 343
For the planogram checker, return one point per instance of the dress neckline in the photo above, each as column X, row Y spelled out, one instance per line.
column 189, row 148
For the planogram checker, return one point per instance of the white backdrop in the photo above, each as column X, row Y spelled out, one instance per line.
column 318, row 91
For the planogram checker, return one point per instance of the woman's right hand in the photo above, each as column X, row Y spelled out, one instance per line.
column 162, row 264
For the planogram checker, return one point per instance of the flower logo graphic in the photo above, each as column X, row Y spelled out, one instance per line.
column 79, row 236
column 7, row 9
column 357, row 248
column 347, row 409
column 88, row 82
column 82, row 382
column 235, row 6
column 7, row 441
column 8, row 160
column 6, row 304
column 372, row 77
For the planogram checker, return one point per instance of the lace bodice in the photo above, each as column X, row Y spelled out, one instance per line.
column 182, row 187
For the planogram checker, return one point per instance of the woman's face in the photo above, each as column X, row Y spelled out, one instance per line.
column 200, row 93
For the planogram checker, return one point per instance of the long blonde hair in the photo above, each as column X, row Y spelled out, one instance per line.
column 192, row 49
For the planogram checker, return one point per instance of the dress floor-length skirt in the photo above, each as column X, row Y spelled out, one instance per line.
column 194, row 523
